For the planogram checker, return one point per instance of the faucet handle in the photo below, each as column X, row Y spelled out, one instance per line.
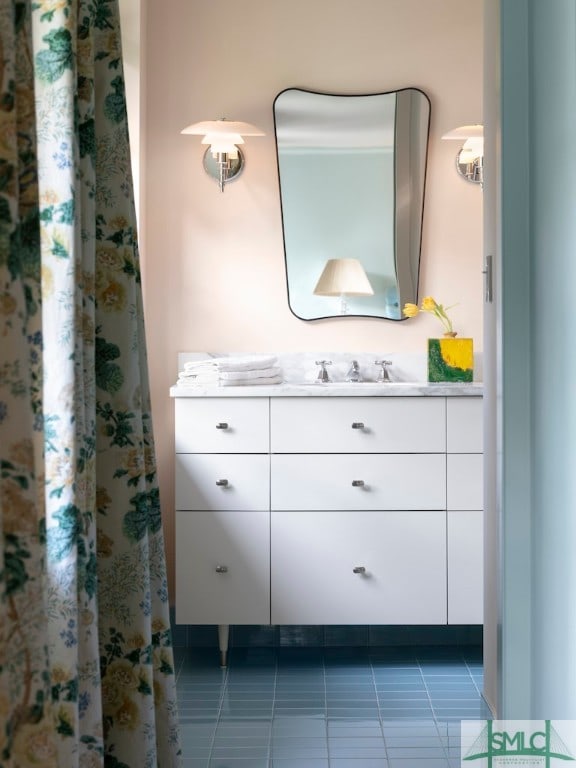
column 383, row 375
column 323, row 377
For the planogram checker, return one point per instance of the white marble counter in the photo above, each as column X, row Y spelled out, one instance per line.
column 336, row 389
column 299, row 372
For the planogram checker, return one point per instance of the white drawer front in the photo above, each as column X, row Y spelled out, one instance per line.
column 313, row 558
column 465, row 481
column 238, row 542
column 222, row 481
column 222, row 425
column 465, row 568
column 390, row 425
column 358, row 481
column 464, row 425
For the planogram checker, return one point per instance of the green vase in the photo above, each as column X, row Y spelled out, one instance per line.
column 450, row 360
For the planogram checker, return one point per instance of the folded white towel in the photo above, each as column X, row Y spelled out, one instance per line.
column 199, row 378
column 232, row 363
column 232, row 375
column 215, row 381
column 259, row 381
column 254, row 373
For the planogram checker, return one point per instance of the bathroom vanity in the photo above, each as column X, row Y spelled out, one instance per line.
column 329, row 504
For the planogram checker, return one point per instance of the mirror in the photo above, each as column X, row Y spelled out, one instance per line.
column 352, row 172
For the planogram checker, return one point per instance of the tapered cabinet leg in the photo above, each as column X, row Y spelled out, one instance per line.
column 223, row 635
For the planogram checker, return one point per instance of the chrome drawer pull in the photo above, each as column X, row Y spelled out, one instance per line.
column 222, row 425
column 357, row 483
column 357, row 425
column 222, row 483
column 221, row 569
column 359, row 569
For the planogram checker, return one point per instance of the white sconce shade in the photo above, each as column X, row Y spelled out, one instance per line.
column 472, row 149
column 207, row 127
column 223, row 136
column 222, row 147
column 215, row 138
column 343, row 277
column 475, row 131
column 470, row 158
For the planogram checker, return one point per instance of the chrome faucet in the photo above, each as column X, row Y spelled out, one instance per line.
column 323, row 377
column 383, row 374
column 354, row 374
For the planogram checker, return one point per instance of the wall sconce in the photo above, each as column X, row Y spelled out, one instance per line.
column 343, row 277
column 470, row 158
column 223, row 160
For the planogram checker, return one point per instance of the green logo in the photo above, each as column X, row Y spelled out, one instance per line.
column 540, row 744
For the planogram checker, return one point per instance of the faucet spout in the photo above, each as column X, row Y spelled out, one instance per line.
column 354, row 374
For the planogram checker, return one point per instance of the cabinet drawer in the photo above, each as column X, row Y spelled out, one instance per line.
column 390, row 425
column 222, row 425
column 381, row 481
column 464, row 425
column 465, row 568
column 222, row 481
column 314, row 555
column 465, row 481
column 236, row 541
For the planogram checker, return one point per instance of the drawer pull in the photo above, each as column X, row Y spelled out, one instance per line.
column 222, row 483
column 357, row 425
column 221, row 569
column 222, row 425
column 359, row 569
column 358, row 483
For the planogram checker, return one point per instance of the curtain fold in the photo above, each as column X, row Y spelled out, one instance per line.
column 82, row 552
column 26, row 723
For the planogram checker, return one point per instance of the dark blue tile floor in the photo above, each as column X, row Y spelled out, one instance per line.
column 327, row 707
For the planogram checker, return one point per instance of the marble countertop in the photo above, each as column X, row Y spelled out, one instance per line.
column 336, row 389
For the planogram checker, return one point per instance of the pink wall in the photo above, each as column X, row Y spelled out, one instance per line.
column 213, row 264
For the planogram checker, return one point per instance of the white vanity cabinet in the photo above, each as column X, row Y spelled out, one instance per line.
column 223, row 567
column 222, row 510
column 336, row 567
column 358, row 527
column 464, row 510
column 328, row 510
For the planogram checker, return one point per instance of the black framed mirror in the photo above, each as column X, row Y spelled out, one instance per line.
column 352, row 172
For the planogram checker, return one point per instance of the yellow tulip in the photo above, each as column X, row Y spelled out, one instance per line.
column 410, row 310
column 428, row 304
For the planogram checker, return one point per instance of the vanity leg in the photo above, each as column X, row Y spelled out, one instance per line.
column 223, row 635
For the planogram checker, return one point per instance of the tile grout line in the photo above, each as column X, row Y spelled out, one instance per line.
column 273, row 714
column 327, row 735
column 218, row 714
column 474, row 680
column 370, row 658
column 434, row 717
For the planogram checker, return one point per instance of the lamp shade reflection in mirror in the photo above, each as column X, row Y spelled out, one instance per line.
column 352, row 174
column 343, row 277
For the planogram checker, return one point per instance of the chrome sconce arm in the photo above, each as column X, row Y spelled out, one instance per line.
column 470, row 157
column 223, row 160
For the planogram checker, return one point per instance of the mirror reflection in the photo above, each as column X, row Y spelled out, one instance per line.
column 352, row 172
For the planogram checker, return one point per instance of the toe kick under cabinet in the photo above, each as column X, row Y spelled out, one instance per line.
column 328, row 510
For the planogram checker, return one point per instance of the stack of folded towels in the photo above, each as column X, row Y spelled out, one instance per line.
column 233, row 371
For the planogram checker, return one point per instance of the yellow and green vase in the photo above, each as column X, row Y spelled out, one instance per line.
column 450, row 359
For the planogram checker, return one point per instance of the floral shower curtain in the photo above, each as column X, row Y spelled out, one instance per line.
column 25, row 706
column 97, row 684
